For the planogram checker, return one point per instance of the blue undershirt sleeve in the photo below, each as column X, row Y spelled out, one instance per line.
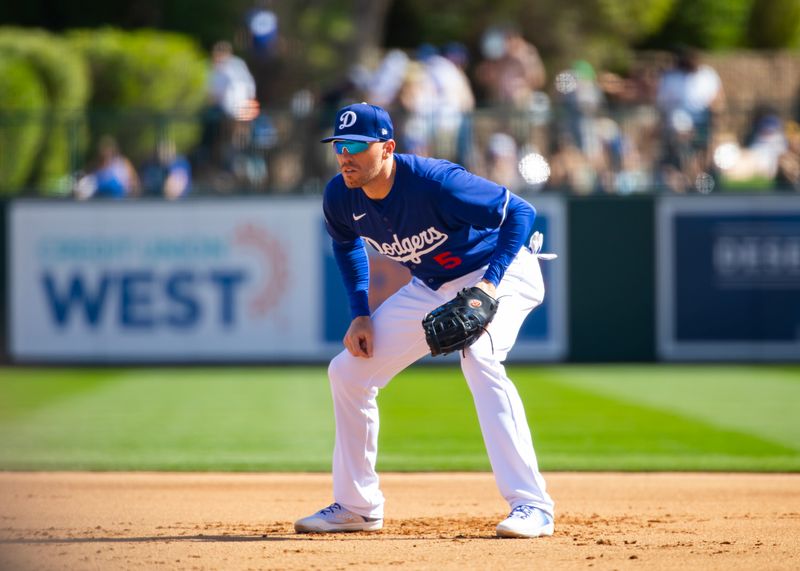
column 514, row 231
column 351, row 258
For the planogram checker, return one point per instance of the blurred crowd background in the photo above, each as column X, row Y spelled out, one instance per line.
column 177, row 99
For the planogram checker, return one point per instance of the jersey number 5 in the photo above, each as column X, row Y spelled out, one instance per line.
column 447, row 260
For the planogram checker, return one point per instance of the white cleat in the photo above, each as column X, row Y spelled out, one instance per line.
column 526, row 521
column 336, row 518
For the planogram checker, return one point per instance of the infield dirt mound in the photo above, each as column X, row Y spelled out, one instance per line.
column 434, row 521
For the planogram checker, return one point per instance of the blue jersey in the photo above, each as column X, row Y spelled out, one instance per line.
column 439, row 220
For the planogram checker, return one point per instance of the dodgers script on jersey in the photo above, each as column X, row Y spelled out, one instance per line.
column 439, row 220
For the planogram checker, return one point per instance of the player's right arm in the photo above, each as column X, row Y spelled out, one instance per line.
column 354, row 268
column 351, row 259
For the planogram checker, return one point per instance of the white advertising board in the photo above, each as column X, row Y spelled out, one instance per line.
column 193, row 281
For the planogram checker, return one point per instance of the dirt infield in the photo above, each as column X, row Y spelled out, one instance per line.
column 434, row 521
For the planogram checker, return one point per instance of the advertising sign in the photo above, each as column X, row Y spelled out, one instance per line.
column 729, row 278
column 207, row 281
column 193, row 281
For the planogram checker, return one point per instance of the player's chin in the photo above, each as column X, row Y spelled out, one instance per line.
column 352, row 181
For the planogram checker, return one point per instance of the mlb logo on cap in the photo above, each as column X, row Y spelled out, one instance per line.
column 362, row 122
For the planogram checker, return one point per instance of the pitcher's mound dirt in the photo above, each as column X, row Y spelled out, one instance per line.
column 433, row 521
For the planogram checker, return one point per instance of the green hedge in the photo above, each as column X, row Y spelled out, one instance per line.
column 774, row 24
column 139, row 86
column 145, row 84
column 65, row 78
column 23, row 101
column 708, row 24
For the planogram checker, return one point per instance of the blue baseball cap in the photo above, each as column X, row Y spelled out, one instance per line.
column 362, row 122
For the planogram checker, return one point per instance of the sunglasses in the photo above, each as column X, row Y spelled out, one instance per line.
column 353, row 147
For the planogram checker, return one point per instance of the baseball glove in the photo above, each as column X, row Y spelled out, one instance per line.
column 457, row 324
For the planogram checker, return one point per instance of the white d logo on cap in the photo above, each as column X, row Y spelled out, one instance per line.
column 348, row 119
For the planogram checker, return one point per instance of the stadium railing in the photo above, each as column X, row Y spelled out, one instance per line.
column 622, row 150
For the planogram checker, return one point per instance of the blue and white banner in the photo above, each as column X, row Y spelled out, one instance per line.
column 729, row 278
column 247, row 280
column 192, row 281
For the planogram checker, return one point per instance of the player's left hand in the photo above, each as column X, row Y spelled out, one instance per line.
column 487, row 287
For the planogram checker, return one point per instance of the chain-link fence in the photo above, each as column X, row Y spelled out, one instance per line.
column 547, row 147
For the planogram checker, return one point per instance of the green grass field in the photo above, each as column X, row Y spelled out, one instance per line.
column 627, row 417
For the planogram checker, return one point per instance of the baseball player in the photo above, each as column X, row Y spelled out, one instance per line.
column 452, row 230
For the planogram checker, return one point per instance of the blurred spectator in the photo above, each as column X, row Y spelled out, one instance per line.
column 762, row 115
column 570, row 170
column 168, row 174
column 767, row 145
column 502, row 161
column 433, row 97
column 458, row 54
column 232, row 87
column 757, row 162
column 415, row 98
column 382, row 87
column 262, row 29
column 622, row 168
column 688, row 96
column 690, row 87
column 583, row 100
column 453, row 89
column 112, row 175
column 617, row 88
column 511, row 71
column 451, row 101
column 788, row 175
column 232, row 94
column 638, row 87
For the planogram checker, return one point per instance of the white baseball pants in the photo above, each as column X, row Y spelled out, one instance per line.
column 399, row 341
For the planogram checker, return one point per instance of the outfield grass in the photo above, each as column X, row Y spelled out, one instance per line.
column 637, row 417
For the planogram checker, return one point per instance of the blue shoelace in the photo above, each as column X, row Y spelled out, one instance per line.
column 523, row 511
column 331, row 509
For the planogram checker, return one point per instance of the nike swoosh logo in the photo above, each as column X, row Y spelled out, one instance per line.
column 359, row 217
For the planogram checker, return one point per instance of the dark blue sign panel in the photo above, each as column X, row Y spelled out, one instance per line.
column 729, row 278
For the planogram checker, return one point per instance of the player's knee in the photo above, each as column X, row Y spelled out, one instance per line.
column 337, row 369
column 486, row 350
column 482, row 357
column 348, row 379
column 475, row 360
column 346, row 372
